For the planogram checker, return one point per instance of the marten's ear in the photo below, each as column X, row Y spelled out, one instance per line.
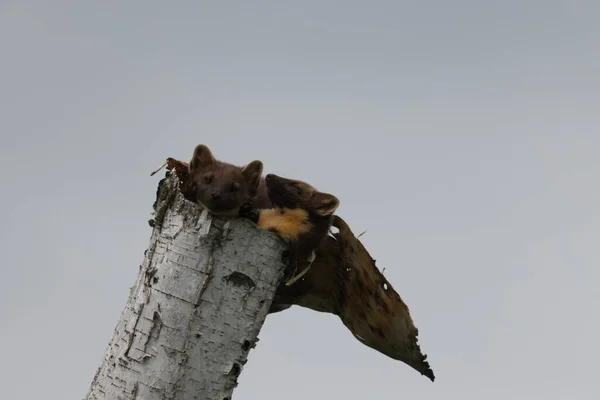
column 324, row 204
column 252, row 173
column 202, row 157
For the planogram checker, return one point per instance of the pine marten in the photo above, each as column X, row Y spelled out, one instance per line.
column 301, row 216
column 222, row 187
column 293, row 209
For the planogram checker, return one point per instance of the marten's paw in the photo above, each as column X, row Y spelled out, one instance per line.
column 248, row 211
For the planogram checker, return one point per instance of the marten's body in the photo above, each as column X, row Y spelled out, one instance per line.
column 301, row 216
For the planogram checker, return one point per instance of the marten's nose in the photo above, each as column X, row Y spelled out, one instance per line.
column 215, row 195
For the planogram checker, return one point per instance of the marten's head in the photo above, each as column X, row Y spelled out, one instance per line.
column 294, row 194
column 221, row 187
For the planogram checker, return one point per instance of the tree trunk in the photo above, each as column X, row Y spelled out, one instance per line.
column 200, row 299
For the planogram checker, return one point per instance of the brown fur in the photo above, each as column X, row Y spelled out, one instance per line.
column 222, row 187
column 302, row 216
column 188, row 185
column 290, row 224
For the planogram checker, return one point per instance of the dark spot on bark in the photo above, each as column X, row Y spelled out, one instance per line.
column 156, row 326
column 152, row 223
column 155, row 280
column 238, row 279
column 380, row 302
column 378, row 331
column 246, row 345
column 160, row 185
column 197, row 335
column 234, row 373
column 385, row 307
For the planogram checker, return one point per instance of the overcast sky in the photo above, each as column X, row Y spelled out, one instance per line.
column 463, row 135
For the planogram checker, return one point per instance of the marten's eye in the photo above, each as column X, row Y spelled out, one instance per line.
column 208, row 179
column 235, row 187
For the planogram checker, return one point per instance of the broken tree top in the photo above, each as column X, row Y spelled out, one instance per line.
column 344, row 280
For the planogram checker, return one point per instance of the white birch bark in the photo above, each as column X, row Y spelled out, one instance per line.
column 200, row 299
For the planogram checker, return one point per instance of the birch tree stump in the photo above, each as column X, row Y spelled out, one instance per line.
column 195, row 310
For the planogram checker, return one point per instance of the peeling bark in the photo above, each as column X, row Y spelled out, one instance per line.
column 195, row 310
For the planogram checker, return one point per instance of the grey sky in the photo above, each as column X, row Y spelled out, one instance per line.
column 462, row 135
